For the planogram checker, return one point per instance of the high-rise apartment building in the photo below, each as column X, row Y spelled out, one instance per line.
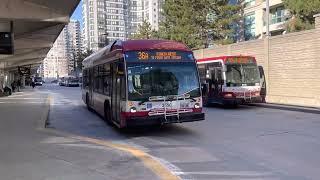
column 254, row 24
column 109, row 20
column 144, row 10
column 103, row 20
column 73, row 43
column 60, row 59
column 56, row 63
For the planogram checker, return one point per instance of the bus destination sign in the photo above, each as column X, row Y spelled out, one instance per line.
column 240, row 60
column 159, row 56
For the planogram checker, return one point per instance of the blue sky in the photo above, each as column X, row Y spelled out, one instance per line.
column 77, row 13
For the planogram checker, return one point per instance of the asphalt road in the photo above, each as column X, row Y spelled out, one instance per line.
column 244, row 143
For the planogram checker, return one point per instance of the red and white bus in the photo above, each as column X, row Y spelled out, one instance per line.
column 143, row 82
column 230, row 80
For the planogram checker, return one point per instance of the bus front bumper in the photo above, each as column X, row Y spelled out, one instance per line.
column 233, row 101
column 160, row 119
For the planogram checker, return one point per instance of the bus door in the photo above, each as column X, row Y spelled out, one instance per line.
column 215, row 81
column 91, row 86
column 117, row 81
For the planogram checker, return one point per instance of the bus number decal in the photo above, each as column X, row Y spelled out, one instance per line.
column 143, row 56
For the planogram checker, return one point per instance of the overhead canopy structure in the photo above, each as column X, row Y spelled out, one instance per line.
column 36, row 25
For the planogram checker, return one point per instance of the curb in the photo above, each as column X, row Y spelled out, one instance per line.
column 288, row 108
column 149, row 161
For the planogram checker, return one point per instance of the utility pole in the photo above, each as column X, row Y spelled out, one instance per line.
column 268, row 43
column 267, row 18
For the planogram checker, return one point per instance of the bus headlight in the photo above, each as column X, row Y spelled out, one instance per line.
column 197, row 105
column 133, row 110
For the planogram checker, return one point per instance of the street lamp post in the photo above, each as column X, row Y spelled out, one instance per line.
column 267, row 18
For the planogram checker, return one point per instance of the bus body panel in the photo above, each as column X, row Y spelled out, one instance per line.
column 109, row 68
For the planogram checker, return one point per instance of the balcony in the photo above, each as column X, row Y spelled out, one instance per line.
column 272, row 3
column 275, row 26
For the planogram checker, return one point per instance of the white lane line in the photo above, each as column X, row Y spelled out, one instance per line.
column 18, row 95
column 229, row 173
column 12, row 102
column 172, row 168
column 17, row 98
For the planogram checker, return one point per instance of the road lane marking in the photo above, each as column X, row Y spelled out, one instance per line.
column 19, row 98
column 230, row 173
column 152, row 163
column 15, row 102
column 148, row 160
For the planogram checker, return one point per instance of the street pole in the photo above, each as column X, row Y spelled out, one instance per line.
column 267, row 18
column 268, row 44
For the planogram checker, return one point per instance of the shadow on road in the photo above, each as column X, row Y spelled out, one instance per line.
column 158, row 131
column 232, row 108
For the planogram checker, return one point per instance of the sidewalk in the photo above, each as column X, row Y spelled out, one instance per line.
column 289, row 107
column 31, row 154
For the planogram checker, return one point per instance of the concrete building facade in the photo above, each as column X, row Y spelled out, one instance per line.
column 103, row 19
column 60, row 60
column 73, row 43
column 108, row 20
column 254, row 22
column 56, row 63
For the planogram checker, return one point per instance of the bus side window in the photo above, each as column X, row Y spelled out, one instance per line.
column 84, row 78
column 96, row 78
column 107, row 79
column 100, row 78
column 219, row 78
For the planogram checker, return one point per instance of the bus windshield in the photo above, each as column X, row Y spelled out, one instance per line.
column 242, row 75
column 156, row 79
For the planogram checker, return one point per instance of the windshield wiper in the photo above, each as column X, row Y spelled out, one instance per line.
column 186, row 93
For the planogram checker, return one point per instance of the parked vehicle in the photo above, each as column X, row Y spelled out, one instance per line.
column 61, row 82
column 72, row 82
column 38, row 81
column 230, row 80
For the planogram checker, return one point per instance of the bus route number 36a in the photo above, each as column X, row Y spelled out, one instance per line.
column 143, row 56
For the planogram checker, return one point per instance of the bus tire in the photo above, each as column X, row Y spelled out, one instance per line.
column 107, row 113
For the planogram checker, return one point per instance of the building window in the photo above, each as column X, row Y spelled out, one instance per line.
column 248, row 3
column 249, row 26
column 277, row 15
